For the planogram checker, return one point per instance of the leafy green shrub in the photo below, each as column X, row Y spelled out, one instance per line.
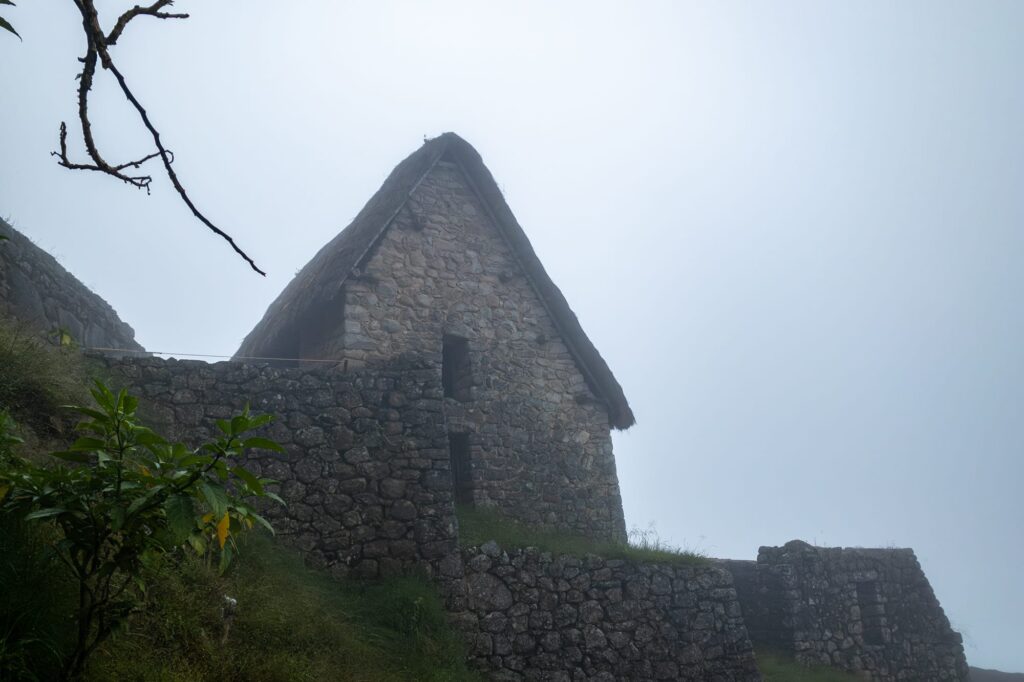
column 129, row 498
column 479, row 525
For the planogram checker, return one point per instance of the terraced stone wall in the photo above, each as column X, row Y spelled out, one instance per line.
column 366, row 476
column 529, row 615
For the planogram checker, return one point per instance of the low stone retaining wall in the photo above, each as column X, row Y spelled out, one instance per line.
column 531, row 616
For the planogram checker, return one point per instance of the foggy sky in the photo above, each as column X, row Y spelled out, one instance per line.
column 794, row 230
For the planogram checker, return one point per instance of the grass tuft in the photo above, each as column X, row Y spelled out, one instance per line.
column 479, row 525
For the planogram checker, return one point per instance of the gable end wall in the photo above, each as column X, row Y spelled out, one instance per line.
column 539, row 437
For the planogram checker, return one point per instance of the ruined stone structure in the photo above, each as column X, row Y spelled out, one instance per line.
column 869, row 611
column 424, row 359
column 37, row 291
column 437, row 268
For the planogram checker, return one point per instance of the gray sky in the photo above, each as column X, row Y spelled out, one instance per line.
column 795, row 230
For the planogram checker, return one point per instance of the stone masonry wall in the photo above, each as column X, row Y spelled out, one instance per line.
column 366, row 475
column 863, row 610
column 35, row 289
column 531, row 616
column 539, row 439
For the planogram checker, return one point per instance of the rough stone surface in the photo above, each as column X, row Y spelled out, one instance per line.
column 36, row 290
column 529, row 615
column 540, row 442
column 870, row 611
column 359, row 474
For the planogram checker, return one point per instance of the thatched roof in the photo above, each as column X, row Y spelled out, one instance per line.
column 321, row 280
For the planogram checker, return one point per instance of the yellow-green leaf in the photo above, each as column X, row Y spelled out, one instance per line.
column 222, row 530
column 3, row 491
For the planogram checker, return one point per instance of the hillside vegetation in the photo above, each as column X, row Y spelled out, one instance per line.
column 292, row 623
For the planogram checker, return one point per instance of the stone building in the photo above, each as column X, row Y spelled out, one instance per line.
column 429, row 360
column 435, row 268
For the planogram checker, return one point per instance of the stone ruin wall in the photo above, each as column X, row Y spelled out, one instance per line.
column 366, row 476
column 368, row 484
column 539, row 439
column 870, row 611
column 36, row 290
column 531, row 616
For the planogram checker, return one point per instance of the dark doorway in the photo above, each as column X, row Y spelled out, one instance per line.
column 872, row 611
column 456, row 375
column 462, row 468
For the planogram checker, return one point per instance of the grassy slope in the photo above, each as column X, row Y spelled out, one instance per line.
column 292, row 623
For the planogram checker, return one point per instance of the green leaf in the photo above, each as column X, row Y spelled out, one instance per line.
column 226, row 555
column 45, row 513
column 87, row 444
column 6, row 2
column 192, row 460
column 181, row 516
column 139, row 502
column 144, row 436
column 215, row 498
column 88, row 412
column 6, row 26
column 260, row 420
column 263, row 444
column 198, row 543
column 250, row 480
column 262, row 521
column 79, row 457
column 103, row 396
column 275, row 497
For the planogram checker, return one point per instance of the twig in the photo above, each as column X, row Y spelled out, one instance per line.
column 97, row 51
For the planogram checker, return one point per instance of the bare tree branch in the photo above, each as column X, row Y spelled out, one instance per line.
column 153, row 11
column 97, row 51
column 141, row 181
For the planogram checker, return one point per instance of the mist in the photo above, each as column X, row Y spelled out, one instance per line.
column 794, row 231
